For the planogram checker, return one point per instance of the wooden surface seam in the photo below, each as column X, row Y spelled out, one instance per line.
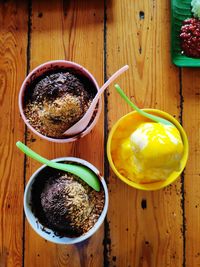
column 142, row 229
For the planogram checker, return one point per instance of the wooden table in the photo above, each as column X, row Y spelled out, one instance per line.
column 154, row 229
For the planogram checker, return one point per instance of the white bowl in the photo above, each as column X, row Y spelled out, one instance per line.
column 50, row 235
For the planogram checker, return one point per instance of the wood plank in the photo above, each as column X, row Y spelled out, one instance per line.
column 13, row 42
column 66, row 31
column 144, row 227
column 191, row 122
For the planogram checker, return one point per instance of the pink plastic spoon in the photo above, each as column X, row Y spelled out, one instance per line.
column 83, row 122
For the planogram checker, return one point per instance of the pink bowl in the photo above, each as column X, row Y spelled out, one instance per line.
column 41, row 70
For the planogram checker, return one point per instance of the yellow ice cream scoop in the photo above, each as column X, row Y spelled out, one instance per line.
column 155, row 152
column 147, row 155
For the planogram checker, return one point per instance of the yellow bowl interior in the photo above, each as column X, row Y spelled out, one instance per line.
column 136, row 118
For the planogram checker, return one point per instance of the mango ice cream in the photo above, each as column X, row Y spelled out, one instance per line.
column 150, row 153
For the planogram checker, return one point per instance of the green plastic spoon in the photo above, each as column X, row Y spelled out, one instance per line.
column 82, row 172
column 140, row 111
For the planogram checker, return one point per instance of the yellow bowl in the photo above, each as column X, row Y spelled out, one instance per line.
column 136, row 118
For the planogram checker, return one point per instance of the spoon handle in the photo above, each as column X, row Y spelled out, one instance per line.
column 143, row 113
column 106, row 84
column 83, row 122
column 29, row 152
column 111, row 79
column 82, row 172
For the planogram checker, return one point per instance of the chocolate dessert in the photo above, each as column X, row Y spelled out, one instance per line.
column 57, row 101
column 64, row 203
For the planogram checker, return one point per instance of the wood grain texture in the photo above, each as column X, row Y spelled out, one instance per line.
column 13, row 42
column 145, row 227
column 191, row 122
column 66, row 30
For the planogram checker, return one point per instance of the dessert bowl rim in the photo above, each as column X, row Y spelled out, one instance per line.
column 50, row 235
column 155, row 185
column 24, row 88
